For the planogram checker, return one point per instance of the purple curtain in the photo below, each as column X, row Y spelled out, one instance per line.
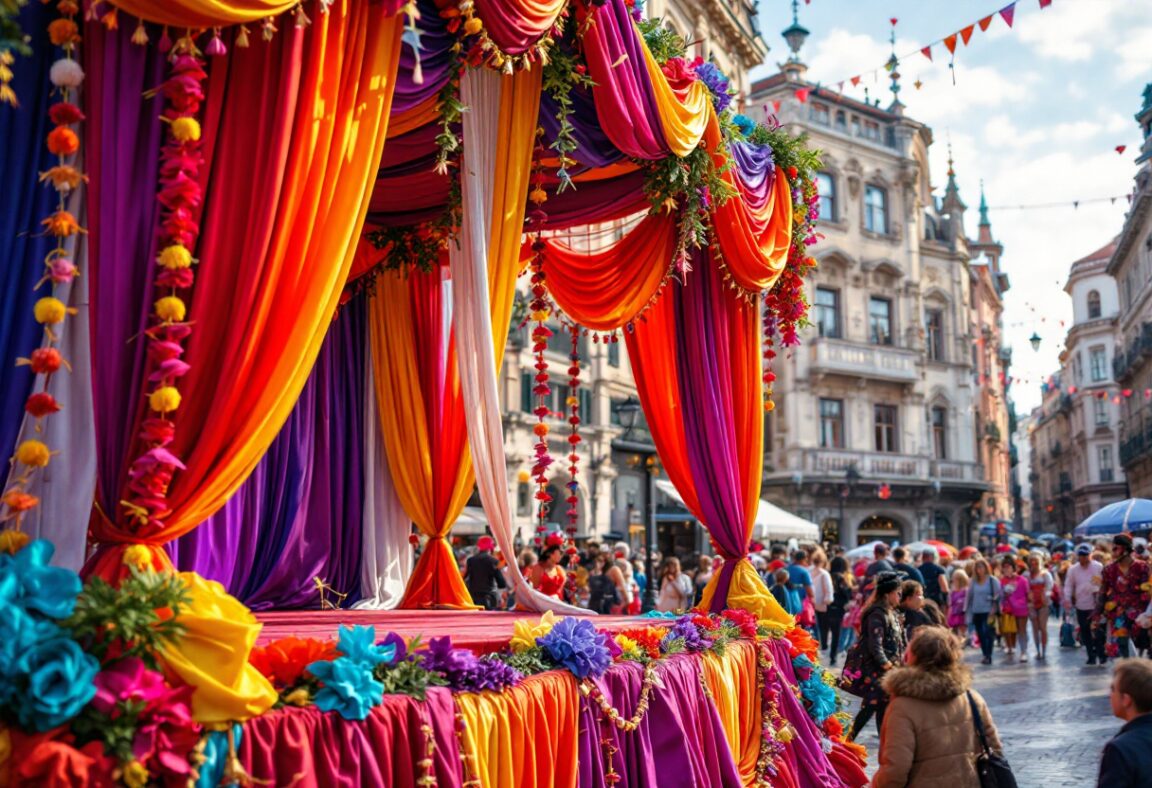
column 298, row 516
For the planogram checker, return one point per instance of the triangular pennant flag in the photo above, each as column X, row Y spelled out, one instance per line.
column 1121, row 148
column 1045, row 3
column 840, row 86
column 950, row 42
column 927, row 52
column 1008, row 12
column 985, row 22
column 776, row 105
column 966, row 33
column 802, row 95
column 855, row 81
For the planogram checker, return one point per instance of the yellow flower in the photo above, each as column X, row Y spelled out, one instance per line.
column 170, row 309
column 524, row 635
column 33, row 453
column 174, row 257
column 1110, row 606
column 298, row 697
column 473, row 26
column 186, row 129
column 49, row 310
column 12, row 542
column 164, row 399
column 135, row 775
column 139, row 556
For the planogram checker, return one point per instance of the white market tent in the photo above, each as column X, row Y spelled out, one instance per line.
column 772, row 522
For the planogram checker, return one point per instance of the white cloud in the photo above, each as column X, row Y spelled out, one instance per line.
column 1067, row 31
column 1001, row 131
column 1076, row 130
column 1132, row 47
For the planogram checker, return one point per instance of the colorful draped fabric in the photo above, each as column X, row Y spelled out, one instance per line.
column 515, row 26
column 212, row 13
column 288, row 202
column 422, row 421
column 696, row 359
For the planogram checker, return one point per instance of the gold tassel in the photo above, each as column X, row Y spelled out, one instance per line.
column 242, row 37
column 140, row 34
column 111, row 20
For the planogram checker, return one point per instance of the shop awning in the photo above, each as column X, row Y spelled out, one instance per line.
column 772, row 522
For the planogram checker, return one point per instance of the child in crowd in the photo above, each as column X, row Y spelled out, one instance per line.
column 956, row 620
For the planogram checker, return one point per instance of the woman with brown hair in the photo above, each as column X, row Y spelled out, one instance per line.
column 929, row 737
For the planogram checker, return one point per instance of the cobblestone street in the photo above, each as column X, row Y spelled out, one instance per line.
column 1053, row 716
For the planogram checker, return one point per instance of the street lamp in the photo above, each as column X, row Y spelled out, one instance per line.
column 851, row 476
column 1035, row 340
column 628, row 412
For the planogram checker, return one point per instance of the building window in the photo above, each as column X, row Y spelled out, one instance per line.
column 523, row 499
column 613, row 354
column 1104, row 454
column 1096, row 363
column 826, row 188
column 855, row 126
column 1100, row 406
column 820, row 114
column 1077, row 370
column 875, row 209
column 940, row 433
column 880, row 320
column 527, row 398
column 934, row 324
column 828, row 312
column 1093, row 305
column 885, row 427
column 841, row 123
column 831, row 423
column 871, row 130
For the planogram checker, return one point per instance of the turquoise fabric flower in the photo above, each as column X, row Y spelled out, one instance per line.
column 19, row 634
column 820, row 697
column 745, row 124
column 60, row 683
column 349, row 688
column 358, row 644
column 27, row 580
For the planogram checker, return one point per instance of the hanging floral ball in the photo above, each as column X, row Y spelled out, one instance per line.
column 540, row 429
column 46, row 360
column 64, row 113
column 170, row 309
column 137, row 556
column 62, row 141
column 41, row 404
column 538, row 195
column 66, row 73
column 473, row 26
column 61, row 270
column 33, row 453
column 164, row 399
column 769, row 406
column 413, row 539
column 186, row 129
column 174, row 257
column 61, row 224
column 50, row 311
column 12, row 541
column 63, row 31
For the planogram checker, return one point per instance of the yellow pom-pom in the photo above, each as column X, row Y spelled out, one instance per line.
column 139, row 556
column 473, row 26
column 538, row 195
column 186, row 129
column 170, row 309
column 33, row 453
column 164, row 399
column 540, row 315
column 769, row 406
column 50, row 310
column 135, row 774
column 12, row 542
column 174, row 257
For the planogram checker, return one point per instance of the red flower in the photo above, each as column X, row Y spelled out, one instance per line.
column 679, row 73
column 65, row 113
column 41, row 404
column 705, row 622
column 283, row 661
column 743, row 619
column 50, row 759
column 647, row 638
column 46, row 360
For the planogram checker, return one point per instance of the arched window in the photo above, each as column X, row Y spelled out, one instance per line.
column 826, row 188
column 1093, row 305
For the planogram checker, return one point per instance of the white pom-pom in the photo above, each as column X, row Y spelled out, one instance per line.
column 66, row 73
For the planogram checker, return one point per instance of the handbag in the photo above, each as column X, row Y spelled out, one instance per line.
column 992, row 769
column 1067, row 635
column 853, row 672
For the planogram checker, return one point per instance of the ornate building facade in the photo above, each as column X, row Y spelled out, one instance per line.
column 884, row 427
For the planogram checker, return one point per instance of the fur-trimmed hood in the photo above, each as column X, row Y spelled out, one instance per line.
column 934, row 685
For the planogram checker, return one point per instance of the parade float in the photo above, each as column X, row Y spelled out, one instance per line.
column 261, row 258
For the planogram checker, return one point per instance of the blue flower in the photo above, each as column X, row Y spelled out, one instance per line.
column 27, row 580
column 745, row 124
column 575, row 644
column 358, row 644
column 19, row 633
column 60, row 683
column 349, row 688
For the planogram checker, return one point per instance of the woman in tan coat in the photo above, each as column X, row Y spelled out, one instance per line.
column 929, row 737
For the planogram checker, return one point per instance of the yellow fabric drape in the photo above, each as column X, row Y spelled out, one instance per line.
column 749, row 592
column 684, row 122
column 203, row 13
column 526, row 736
column 212, row 655
column 732, row 680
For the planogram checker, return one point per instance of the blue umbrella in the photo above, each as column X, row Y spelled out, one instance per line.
column 1133, row 514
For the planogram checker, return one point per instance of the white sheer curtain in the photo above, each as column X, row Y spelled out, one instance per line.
column 480, row 92
column 386, row 562
column 66, row 487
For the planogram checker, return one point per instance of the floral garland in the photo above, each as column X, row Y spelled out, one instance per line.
column 574, row 439
column 66, row 75
column 179, row 196
column 776, row 732
column 562, row 74
column 482, row 50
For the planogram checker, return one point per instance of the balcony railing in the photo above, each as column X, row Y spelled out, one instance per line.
column 1127, row 359
column 836, row 462
column 953, row 471
column 877, row 362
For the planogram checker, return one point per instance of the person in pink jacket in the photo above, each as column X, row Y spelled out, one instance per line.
column 1014, row 609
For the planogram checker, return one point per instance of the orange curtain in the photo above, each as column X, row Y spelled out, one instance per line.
column 282, row 216
column 203, row 13
column 606, row 288
column 422, row 421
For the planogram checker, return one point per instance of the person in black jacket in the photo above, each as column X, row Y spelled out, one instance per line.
column 881, row 648
column 483, row 577
column 1127, row 760
column 843, row 584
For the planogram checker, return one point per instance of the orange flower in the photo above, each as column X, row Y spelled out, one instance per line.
column 62, row 224
column 62, row 141
column 283, row 661
column 19, row 501
column 802, row 642
column 50, row 759
column 63, row 177
column 63, row 31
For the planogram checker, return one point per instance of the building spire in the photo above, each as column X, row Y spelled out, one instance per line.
column 983, row 207
column 893, row 67
column 795, row 34
column 953, row 205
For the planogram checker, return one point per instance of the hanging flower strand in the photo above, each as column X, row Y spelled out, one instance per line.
column 540, row 311
column 179, row 196
column 32, row 453
column 574, row 439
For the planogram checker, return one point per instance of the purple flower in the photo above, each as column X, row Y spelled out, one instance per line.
column 463, row 670
column 439, row 656
column 396, row 642
column 717, row 83
column 694, row 639
column 575, row 644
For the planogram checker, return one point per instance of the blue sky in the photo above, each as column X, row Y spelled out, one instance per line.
column 1036, row 112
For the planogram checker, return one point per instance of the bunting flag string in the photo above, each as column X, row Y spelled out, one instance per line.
column 950, row 42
